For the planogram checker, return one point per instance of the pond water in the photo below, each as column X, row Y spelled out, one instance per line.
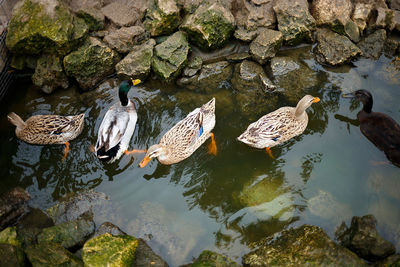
column 223, row 203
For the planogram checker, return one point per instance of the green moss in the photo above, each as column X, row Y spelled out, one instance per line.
column 93, row 23
column 9, row 236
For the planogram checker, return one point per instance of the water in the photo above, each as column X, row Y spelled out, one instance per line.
column 323, row 177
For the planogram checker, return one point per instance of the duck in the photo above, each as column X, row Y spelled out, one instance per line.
column 185, row 137
column 278, row 126
column 117, row 126
column 382, row 130
column 48, row 129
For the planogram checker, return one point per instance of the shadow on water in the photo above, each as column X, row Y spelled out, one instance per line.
column 227, row 202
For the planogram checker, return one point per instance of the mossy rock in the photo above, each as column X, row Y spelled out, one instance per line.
column 10, row 236
column 11, row 256
column 212, row 259
column 44, row 26
column 162, row 18
column 51, row 255
column 108, row 250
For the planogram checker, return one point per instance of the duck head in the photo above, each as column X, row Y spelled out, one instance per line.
column 363, row 96
column 305, row 103
column 124, row 88
column 154, row 151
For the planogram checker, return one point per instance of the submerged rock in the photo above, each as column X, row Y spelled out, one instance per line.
column 49, row 74
column 39, row 25
column 13, row 206
column 210, row 258
column 210, row 26
column 372, row 46
column 137, row 63
column 363, row 238
column 11, row 256
column 162, row 18
column 265, row 46
column 145, row 256
column 91, row 63
column 306, row 245
column 51, row 254
column 170, row 57
column 108, row 250
column 125, row 39
column 334, row 49
column 294, row 21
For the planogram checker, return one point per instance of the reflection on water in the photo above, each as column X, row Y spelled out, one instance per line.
column 224, row 203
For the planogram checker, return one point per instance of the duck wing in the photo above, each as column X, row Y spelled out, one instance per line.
column 51, row 124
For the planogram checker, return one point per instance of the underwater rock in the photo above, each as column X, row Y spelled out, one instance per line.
column 193, row 67
column 118, row 13
column 162, row 18
column 145, row 256
column 44, row 26
column 210, row 26
column 312, row 247
column 69, row 234
column 372, row 46
column 334, row 49
column 137, row 64
column 13, row 206
column 363, row 239
column 51, row 254
column 249, row 74
column 110, row 228
column 294, row 21
column 91, row 63
column 109, row 250
column 125, row 39
column 392, row 45
column 49, row 74
column 334, row 13
column 265, row 46
column 390, row 73
column 170, row 57
column 210, row 258
column 11, row 256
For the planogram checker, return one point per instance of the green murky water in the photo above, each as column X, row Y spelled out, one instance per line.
column 327, row 175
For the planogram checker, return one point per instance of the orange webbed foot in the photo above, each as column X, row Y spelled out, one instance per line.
column 212, row 147
column 269, row 152
column 66, row 151
column 134, row 151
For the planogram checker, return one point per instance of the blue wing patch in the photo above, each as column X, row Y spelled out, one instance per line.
column 201, row 131
column 275, row 138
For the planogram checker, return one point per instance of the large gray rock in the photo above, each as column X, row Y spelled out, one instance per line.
column 334, row 49
column 294, row 21
column 372, row 46
column 170, row 57
column 90, row 12
column 266, row 45
column 13, row 206
column 361, row 15
column 384, row 19
column 49, row 74
column 91, row 63
column 51, row 254
column 334, row 13
column 394, row 4
column 162, row 18
column 253, row 14
column 125, row 38
column 304, row 246
column 210, row 26
column 363, row 238
column 138, row 62
column 119, row 14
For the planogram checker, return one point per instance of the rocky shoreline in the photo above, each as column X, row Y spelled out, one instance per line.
column 66, row 235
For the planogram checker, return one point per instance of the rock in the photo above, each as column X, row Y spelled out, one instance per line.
column 334, row 49
column 49, row 74
column 108, row 250
column 312, row 247
column 363, row 238
column 145, row 256
column 211, row 77
column 251, row 15
column 13, row 206
column 372, row 46
column 266, row 45
column 44, row 25
column 396, row 20
column 193, row 67
column 138, row 62
column 51, row 254
column 124, row 39
column 384, row 19
column 69, row 234
column 238, row 57
column 92, row 16
column 110, row 228
column 119, row 14
column 390, row 73
column 20, row 62
column 294, row 21
column 74, row 205
column 210, row 26
column 245, row 35
column 249, row 74
column 11, row 256
column 394, row 4
column 232, row 47
column 351, row 30
column 334, row 13
column 91, row 63
column 162, row 18
column 391, row 261
column 210, row 258
column 9, row 236
column 170, row 56
column 361, row 15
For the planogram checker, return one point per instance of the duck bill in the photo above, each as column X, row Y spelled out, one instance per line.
column 136, row 82
column 316, row 100
column 144, row 161
column 349, row 95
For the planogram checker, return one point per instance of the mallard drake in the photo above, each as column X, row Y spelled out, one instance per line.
column 278, row 126
column 379, row 128
column 185, row 137
column 117, row 127
column 48, row 129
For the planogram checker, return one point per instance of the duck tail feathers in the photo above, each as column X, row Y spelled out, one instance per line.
column 15, row 119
